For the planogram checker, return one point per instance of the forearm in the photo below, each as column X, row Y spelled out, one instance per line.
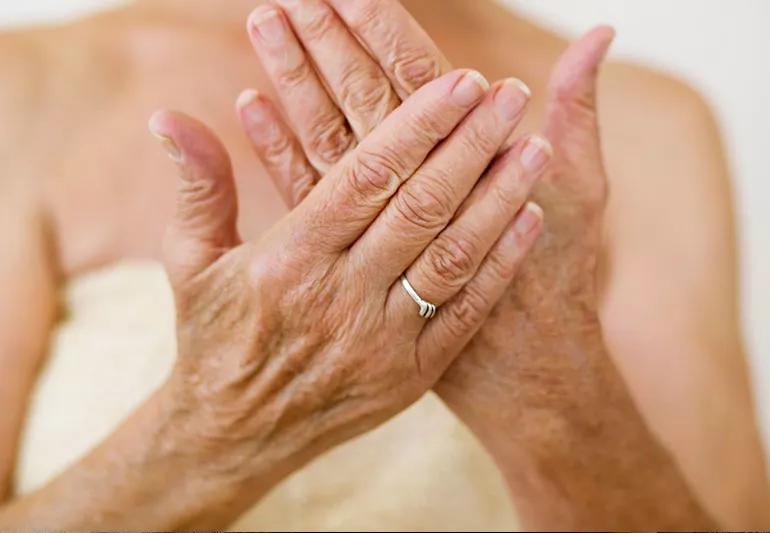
column 28, row 308
column 579, row 456
column 145, row 475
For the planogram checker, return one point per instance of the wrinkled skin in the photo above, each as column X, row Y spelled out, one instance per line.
column 536, row 384
column 299, row 340
column 556, row 292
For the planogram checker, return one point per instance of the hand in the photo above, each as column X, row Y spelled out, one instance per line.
column 305, row 338
column 547, row 406
column 298, row 45
column 571, row 443
column 552, row 294
column 554, row 298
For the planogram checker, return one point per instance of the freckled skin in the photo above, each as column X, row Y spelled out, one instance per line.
column 296, row 341
column 543, row 340
column 75, row 151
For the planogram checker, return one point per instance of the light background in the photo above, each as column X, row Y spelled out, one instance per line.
column 720, row 46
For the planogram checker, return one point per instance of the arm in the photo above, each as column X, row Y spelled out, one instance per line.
column 28, row 307
column 571, row 421
column 146, row 472
column 579, row 456
column 684, row 359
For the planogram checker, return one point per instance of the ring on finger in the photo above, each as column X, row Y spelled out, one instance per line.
column 427, row 309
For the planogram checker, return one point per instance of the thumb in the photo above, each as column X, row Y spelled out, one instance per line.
column 203, row 226
column 571, row 110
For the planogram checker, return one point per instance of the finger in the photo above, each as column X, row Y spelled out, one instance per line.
column 426, row 203
column 356, row 81
column 459, row 320
column 204, row 224
column 344, row 203
column 571, row 119
column 404, row 51
column 320, row 126
column 277, row 147
column 452, row 259
column 571, row 109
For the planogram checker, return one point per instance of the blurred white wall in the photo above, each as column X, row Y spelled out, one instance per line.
column 720, row 46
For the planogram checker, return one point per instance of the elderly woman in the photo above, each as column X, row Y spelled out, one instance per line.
column 410, row 223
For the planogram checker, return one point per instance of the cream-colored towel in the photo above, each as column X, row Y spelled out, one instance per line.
column 423, row 470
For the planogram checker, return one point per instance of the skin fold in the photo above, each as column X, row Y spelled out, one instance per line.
column 542, row 385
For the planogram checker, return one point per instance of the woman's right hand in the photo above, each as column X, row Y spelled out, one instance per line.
column 306, row 337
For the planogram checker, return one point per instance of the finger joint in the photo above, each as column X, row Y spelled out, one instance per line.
column 425, row 203
column 452, row 260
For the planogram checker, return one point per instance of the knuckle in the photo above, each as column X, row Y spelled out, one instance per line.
column 301, row 185
column 318, row 21
column 375, row 172
column 415, row 68
column 196, row 192
column 274, row 148
column 467, row 311
column 427, row 127
column 452, row 260
column 480, row 139
column 502, row 267
column 509, row 191
column 425, row 203
column 295, row 75
column 365, row 90
column 329, row 137
column 365, row 13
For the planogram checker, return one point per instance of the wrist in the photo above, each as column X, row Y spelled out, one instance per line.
column 238, row 448
column 170, row 478
column 572, row 445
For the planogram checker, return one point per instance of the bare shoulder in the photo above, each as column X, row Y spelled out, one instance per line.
column 670, row 208
column 663, row 147
column 49, row 76
column 656, row 109
column 24, row 71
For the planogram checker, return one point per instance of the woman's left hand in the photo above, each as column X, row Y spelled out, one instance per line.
column 334, row 86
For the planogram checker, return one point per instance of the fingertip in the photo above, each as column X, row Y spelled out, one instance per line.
column 158, row 123
column 605, row 36
column 536, row 210
column 259, row 15
column 246, row 98
column 528, row 222
column 159, row 126
column 597, row 42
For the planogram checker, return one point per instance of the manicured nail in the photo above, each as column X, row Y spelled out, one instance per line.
column 528, row 219
column 470, row 88
column 511, row 97
column 167, row 143
column 246, row 98
column 536, row 154
column 269, row 26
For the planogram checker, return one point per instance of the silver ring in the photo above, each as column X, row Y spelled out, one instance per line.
column 427, row 309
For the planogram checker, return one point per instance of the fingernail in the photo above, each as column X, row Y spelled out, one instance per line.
column 470, row 88
column 168, row 145
column 511, row 97
column 246, row 98
column 528, row 219
column 268, row 25
column 536, row 154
